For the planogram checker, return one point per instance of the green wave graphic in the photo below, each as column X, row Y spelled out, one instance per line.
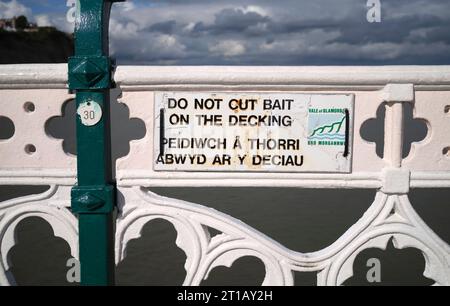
column 321, row 129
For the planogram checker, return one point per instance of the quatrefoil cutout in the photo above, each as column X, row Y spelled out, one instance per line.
column 415, row 130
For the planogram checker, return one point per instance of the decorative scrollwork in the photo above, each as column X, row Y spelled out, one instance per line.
column 390, row 216
column 397, row 220
column 50, row 206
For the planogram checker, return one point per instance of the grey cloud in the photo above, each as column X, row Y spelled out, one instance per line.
column 232, row 21
column 237, row 20
column 390, row 29
column 432, row 34
column 292, row 26
column 166, row 27
column 291, row 33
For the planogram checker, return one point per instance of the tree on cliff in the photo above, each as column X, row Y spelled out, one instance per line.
column 21, row 22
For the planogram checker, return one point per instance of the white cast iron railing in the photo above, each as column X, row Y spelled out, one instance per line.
column 390, row 216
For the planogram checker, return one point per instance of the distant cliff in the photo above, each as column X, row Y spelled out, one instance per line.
column 45, row 45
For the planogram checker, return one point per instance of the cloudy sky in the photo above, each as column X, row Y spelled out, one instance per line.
column 263, row 32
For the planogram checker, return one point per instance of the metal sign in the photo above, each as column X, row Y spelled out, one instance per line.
column 248, row 132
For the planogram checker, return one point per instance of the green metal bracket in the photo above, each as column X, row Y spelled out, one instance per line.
column 93, row 198
column 89, row 72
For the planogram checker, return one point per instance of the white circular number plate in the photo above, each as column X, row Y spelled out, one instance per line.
column 90, row 113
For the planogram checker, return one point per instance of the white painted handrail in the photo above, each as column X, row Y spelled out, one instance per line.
column 45, row 75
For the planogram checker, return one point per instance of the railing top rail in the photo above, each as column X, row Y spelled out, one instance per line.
column 55, row 75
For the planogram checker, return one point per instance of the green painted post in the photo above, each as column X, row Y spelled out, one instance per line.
column 93, row 196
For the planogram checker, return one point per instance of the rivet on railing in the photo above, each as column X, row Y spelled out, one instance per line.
column 29, row 107
column 30, row 149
